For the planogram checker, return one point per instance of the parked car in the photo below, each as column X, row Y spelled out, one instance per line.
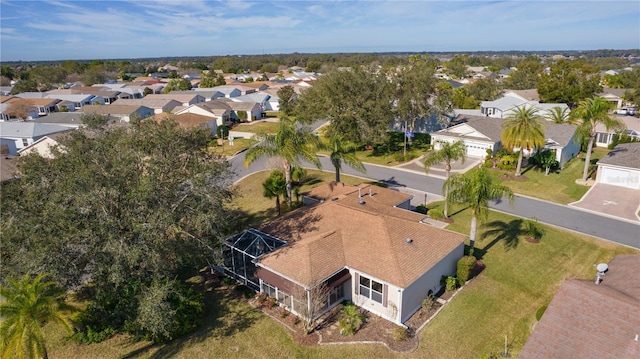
column 631, row 111
column 620, row 111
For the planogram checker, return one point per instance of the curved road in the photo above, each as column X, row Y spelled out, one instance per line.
column 563, row 216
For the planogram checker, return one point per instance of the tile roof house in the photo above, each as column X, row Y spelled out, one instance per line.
column 588, row 320
column 382, row 258
column 615, row 96
column 621, row 166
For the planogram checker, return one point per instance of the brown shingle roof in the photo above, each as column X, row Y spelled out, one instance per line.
column 335, row 234
column 585, row 320
column 185, row 120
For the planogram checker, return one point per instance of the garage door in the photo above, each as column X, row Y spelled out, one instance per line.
column 476, row 151
column 618, row 177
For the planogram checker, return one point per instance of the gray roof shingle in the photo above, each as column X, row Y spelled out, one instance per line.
column 624, row 155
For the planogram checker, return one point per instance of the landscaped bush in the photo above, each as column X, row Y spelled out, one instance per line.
column 508, row 162
column 400, row 334
column 429, row 302
column 421, row 208
column 465, row 268
column 350, row 319
column 245, row 291
column 450, row 282
column 436, row 213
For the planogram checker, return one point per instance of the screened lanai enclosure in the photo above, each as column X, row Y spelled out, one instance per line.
column 240, row 251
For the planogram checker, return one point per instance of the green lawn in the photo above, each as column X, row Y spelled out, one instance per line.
column 559, row 186
column 226, row 149
column 520, row 278
column 257, row 127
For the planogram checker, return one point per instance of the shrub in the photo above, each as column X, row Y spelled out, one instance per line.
column 436, row 214
column 400, row 334
column 350, row 319
column 270, row 302
column 228, row 281
column 465, row 268
column 245, row 291
column 451, row 283
column 429, row 302
column 422, row 209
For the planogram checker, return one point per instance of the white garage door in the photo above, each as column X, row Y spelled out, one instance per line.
column 476, row 151
column 618, row 177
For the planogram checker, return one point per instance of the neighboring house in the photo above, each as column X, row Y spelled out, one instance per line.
column 207, row 93
column 589, row 320
column 106, row 93
column 502, row 107
column 123, row 113
column 478, row 133
column 382, row 258
column 18, row 135
column 6, row 112
column 561, row 139
column 42, row 106
column 43, row 146
column 524, row 95
column 67, row 119
column 615, row 96
column 262, row 98
column 186, row 99
column 220, row 110
column 226, row 90
column 158, row 105
column 245, row 111
column 604, row 137
column 621, row 166
column 189, row 120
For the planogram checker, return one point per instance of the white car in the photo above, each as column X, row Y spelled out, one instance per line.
column 620, row 111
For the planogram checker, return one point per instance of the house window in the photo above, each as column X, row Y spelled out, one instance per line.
column 269, row 289
column 25, row 142
column 336, row 295
column 602, row 138
column 371, row 289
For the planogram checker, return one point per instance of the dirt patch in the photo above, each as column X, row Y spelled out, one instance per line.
column 531, row 240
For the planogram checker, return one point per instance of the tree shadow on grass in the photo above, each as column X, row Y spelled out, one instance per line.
column 224, row 317
column 507, row 232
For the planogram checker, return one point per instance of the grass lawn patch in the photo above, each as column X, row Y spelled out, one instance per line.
column 239, row 144
column 559, row 186
column 257, row 127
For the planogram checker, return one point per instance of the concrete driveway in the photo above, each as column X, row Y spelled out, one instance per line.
column 611, row 200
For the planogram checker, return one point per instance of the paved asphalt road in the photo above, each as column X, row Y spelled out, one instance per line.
column 599, row 226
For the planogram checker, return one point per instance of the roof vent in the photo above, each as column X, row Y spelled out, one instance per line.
column 409, row 240
column 370, row 193
column 360, row 196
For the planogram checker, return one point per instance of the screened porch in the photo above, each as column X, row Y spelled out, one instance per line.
column 240, row 251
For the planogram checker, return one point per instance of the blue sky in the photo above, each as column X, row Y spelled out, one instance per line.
column 57, row 30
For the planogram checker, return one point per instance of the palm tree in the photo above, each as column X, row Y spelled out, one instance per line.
column 591, row 112
column 25, row 307
column 523, row 128
column 475, row 189
column 558, row 115
column 342, row 150
column 274, row 186
column 291, row 144
column 447, row 153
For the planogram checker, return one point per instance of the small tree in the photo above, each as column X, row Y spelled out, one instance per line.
column 316, row 297
column 275, row 186
column 546, row 159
